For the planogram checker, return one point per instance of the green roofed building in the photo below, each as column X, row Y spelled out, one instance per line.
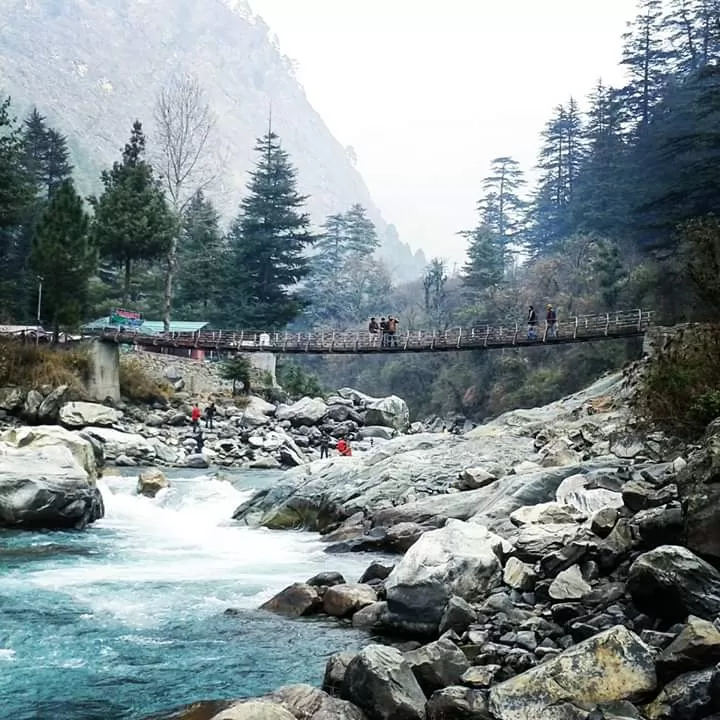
column 148, row 327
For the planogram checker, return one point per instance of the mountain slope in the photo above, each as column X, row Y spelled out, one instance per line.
column 94, row 66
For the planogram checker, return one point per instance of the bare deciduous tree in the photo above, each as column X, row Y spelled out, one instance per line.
column 184, row 125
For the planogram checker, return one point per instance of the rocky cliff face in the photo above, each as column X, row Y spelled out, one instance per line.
column 94, row 66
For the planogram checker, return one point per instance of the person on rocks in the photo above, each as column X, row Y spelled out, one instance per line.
column 532, row 323
column 393, row 323
column 384, row 330
column 195, row 418
column 373, row 327
column 210, row 412
column 199, row 442
column 551, row 319
column 343, row 447
column 324, row 447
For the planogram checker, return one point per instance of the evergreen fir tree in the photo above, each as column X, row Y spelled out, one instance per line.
column 502, row 207
column 47, row 157
column 16, row 198
column 435, row 286
column 645, row 56
column 62, row 258
column 201, row 257
column 268, row 242
column 361, row 235
column 693, row 28
column 133, row 221
column 485, row 266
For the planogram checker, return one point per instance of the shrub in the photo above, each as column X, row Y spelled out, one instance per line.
column 298, row 382
column 32, row 366
column 239, row 370
column 680, row 389
column 137, row 384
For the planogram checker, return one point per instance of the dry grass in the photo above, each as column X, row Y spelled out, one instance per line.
column 30, row 367
column 137, row 384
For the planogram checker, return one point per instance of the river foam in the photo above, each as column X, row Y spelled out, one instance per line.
column 131, row 612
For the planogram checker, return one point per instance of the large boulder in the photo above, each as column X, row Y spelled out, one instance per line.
column 82, row 414
column 437, row 664
column 611, row 666
column 379, row 681
column 699, row 488
column 257, row 412
column 671, row 582
column 46, row 488
column 457, row 703
column 390, row 411
column 697, row 646
column 49, row 409
column 86, row 454
column 305, row 701
column 459, row 559
column 295, row 600
column 151, row 482
column 12, row 399
column 687, row 697
column 117, row 443
column 255, row 710
column 344, row 600
column 306, row 411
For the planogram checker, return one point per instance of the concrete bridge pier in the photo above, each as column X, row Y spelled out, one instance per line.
column 264, row 362
column 104, row 380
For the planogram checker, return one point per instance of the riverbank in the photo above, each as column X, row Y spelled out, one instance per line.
column 127, row 618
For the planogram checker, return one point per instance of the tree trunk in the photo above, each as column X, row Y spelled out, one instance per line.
column 126, row 285
column 169, row 279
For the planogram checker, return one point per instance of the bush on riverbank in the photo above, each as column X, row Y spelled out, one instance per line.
column 680, row 389
column 137, row 384
column 31, row 366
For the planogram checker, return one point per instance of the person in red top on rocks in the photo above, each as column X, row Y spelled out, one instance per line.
column 343, row 447
column 195, row 418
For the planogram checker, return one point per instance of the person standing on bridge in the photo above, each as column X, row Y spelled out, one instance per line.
column 195, row 418
column 373, row 327
column 532, row 323
column 384, row 330
column 393, row 323
column 551, row 319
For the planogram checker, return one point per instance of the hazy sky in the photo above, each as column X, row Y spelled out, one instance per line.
column 429, row 92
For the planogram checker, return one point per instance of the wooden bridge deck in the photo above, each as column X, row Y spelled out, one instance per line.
column 581, row 328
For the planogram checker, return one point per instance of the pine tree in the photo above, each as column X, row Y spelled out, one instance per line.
column 561, row 159
column 201, row 256
column 645, row 56
column 47, row 157
column 62, row 257
column 268, row 242
column 502, row 207
column 361, row 235
column 485, row 267
column 693, row 28
column 132, row 218
column 435, row 286
column 16, row 198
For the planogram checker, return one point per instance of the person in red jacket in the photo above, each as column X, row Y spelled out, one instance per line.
column 195, row 418
column 343, row 447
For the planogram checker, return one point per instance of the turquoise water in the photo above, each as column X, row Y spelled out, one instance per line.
column 127, row 619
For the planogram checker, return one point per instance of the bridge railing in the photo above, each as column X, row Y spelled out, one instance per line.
column 577, row 327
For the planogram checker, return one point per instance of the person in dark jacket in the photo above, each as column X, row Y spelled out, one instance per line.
column 210, row 412
column 532, row 323
column 324, row 447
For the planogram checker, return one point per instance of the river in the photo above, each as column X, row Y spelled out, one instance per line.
column 127, row 619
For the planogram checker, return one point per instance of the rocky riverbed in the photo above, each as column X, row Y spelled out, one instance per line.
column 553, row 564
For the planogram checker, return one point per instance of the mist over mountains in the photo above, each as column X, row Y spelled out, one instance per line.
column 93, row 66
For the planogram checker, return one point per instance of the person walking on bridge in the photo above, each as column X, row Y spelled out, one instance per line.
column 532, row 323
column 551, row 319
column 384, row 330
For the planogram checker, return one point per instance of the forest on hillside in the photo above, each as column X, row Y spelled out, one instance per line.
column 621, row 216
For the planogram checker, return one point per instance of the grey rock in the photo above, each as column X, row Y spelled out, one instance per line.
column 458, row 616
column 305, row 701
column 49, row 409
column 380, row 682
column 696, row 647
column 344, row 600
column 370, row 617
column 519, row 575
column 334, row 676
column 457, row 703
column 82, row 414
column 671, row 582
column 687, row 697
column 437, row 664
column 612, row 665
column 480, row 676
column 458, row 559
column 569, row 585
column 295, row 601
column 327, row 579
column 150, row 482
column 12, row 399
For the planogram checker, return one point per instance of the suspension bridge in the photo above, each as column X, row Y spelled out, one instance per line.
column 575, row 329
